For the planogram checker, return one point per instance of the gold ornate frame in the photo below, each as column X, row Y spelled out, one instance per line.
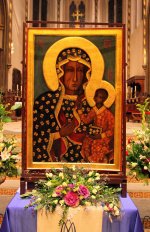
column 117, row 166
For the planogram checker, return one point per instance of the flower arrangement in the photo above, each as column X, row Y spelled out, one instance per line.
column 8, row 156
column 8, row 151
column 72, row 187
column 138, row 151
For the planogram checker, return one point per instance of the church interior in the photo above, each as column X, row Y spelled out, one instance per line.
column 133, row 14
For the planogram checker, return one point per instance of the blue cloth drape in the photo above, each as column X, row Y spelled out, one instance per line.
column 17, row 219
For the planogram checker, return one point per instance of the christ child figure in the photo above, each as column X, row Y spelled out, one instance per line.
column 95, row 147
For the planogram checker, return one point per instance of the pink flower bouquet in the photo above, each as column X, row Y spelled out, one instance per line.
column 72, row 187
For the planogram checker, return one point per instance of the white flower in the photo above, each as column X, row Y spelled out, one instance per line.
column 73, row 167
column 49, row 183
column 111, row 205
column 49, row 175
column 115, row 208
column 14, row 157
column 38, row 200
column 145, row 167
column 116, row 212
column 87, row 203
column 90, row 173
column 61, row 175
column 106, row 208
column 55, row 202
column 94, row 191
column 17, row 157
column 90, row 180
column 5, row 154
column 140, row 136
column 54, row 195
column 93, row 197
column 64, row 184
column 34, row 191
column 15, row 142
column 97, row 178
column 133, row 164
column 142, row 157
column 134, row 173
column 128, row 146
column 74, row 177
column 76, row 189
column 61, row 202
column 97, row 174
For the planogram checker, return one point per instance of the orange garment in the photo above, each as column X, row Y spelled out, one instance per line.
column 94, row 150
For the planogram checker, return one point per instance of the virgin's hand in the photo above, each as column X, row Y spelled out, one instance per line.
column 66, row 129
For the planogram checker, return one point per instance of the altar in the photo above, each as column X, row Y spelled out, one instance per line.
column 17, row 219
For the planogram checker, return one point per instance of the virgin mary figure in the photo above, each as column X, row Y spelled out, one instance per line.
column 58, row 132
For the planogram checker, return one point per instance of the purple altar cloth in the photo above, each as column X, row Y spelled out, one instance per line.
column 17, row 219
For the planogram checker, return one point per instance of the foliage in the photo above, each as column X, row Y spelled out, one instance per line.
column 8, row 156
column 4, row 113
column 138, row 151
column 8, row 151
column 72, row 187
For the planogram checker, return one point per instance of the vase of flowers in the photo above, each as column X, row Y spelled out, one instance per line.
column 138, row 149
column 8, row 146
column 73, row 187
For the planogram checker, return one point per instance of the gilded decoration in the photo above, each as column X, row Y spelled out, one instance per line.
column 96, row 57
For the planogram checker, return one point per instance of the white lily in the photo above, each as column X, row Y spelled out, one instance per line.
column 5, row 154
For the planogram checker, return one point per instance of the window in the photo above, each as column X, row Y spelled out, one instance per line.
column 39, row 12
column 115, row 11
column 77, row 13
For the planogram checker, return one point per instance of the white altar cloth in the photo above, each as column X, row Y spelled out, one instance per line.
column 82, row 218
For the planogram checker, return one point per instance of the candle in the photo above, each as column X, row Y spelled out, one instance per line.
column 135, row 91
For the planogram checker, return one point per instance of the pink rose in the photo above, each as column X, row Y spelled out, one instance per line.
column 71, row 185
column 83, row 191
column 72, row 199
column 58, row 190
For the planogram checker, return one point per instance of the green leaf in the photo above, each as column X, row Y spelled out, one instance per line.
column 16, row 106
column 7, row 119
column 40, row 206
